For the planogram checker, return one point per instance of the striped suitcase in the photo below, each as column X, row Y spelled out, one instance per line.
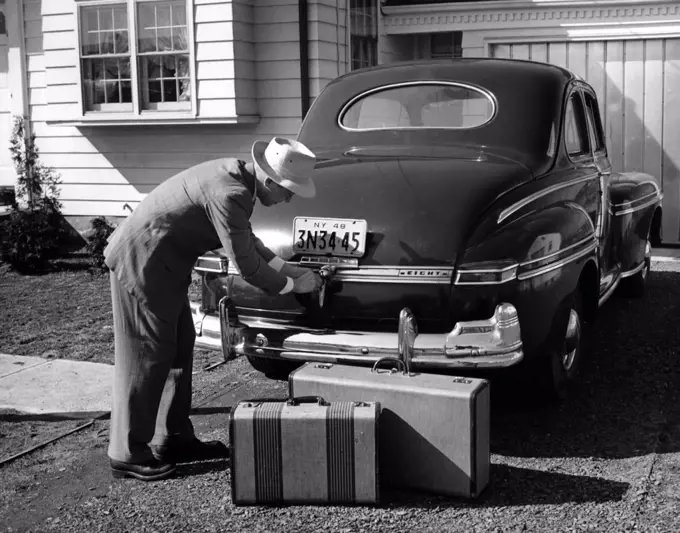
column 434, row 429
column 304, row 450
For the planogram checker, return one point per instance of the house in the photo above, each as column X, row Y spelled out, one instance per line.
column 124, row 93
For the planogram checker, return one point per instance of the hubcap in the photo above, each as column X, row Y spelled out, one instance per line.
column 572, row 338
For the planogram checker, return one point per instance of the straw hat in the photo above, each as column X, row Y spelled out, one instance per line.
column 288, row 163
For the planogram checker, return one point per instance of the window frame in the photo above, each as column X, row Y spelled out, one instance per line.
column 575, row 92
column 382, row 88
column 595, row 122
column 138, row 111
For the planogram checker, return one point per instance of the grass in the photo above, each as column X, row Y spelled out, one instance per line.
column 65, row 313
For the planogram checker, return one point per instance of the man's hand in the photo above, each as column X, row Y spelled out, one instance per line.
column 293, row 271
column 308, row 282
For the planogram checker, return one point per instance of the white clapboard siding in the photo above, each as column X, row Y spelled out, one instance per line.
column 636, row 83
column 93, row 208
column 122, row 193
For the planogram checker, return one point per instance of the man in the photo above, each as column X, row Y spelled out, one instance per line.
column 151, row 256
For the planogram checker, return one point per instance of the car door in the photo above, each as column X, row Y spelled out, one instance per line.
column 609, row 264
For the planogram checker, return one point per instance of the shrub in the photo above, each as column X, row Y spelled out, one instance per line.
column 97, row 240
column 34, row 232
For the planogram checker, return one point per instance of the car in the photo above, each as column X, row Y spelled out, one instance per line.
column 467, row 217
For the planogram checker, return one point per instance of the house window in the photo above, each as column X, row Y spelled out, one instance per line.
column 135, row 56
column 447, row 45
column 364, row 33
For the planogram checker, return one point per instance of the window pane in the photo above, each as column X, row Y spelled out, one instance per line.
column 163, row 19
column 105, row 18
column 106, row 39
column 420, row 106
column 179, row 14
column 152, row 66
column 155, row 93
column 90, row 44
column 147, row 27
column 182, row 66
column 179, row 38
column 164, row 42
column 169, row 90
column 120, row 18
column 121, row 44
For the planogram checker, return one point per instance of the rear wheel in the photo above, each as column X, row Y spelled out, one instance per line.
column 273, row 368
column 557, row 372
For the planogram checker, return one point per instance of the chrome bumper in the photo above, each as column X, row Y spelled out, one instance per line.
column 492, row 343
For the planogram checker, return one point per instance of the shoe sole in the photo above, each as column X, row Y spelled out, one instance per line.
column 121, row 474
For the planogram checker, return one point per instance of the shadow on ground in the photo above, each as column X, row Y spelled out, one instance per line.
column 626, row 400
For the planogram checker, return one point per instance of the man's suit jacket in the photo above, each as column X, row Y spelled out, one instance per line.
column 200, row 209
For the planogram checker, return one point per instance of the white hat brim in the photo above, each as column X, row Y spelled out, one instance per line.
column 304, row 187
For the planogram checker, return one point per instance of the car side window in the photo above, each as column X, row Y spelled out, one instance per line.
column 595, row 120
column 575, row 127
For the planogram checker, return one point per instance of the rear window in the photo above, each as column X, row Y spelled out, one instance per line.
column 419, row 106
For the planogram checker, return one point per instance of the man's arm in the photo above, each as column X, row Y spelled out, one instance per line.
column 231, row 222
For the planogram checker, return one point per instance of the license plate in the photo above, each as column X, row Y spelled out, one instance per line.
column 329, row 236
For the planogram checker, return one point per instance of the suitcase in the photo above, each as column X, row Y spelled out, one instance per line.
column 304, row 450
column 434, row 429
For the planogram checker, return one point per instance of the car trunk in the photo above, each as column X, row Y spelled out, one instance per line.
column 420, row 205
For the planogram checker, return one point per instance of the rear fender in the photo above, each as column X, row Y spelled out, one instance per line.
column 550, row 248
column 635, row 210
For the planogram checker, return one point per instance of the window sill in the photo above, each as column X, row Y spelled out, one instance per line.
column 106, row 119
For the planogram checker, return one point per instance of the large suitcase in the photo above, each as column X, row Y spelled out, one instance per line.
column 434, row 429
column 304, row 450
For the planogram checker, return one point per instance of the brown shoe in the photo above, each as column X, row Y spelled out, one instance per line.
column 150, row 470
column 190, row 451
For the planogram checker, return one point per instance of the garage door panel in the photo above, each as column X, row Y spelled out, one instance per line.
column 637, row 83
column 633, row 136
column 653, row 108
column 539, row 52
column 596, row 75
column 614, row 102
column 557, row 54
column 671, row 140
column 577, row 58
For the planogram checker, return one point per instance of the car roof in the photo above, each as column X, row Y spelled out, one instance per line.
column 467, row 69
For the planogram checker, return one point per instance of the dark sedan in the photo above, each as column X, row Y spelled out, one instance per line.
column 467, row 217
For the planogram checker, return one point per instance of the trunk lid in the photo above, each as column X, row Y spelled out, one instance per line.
column 420, row 205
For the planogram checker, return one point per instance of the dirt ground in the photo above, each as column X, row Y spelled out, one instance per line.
column 608, row 459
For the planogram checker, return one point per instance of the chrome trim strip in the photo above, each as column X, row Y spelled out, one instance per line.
column 486, row 271
column 629, row 273
column 655, row 193
column 539, row 194
column 558, row 252
column 603, row 299
column 639, row 207
column 558, row 264
column 364, row 94
column 393, row 274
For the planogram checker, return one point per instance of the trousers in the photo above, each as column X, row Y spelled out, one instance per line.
column 152, row 379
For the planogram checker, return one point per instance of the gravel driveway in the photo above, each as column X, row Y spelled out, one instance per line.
column 606, row 460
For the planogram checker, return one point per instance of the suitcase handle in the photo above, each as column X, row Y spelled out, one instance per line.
column 394, row 360
column 307, row 399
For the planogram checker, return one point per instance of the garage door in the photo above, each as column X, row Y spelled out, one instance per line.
column 638, row 85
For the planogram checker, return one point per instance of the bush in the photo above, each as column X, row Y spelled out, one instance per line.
column 35, row 231
column 32, row 237
column 97, row 241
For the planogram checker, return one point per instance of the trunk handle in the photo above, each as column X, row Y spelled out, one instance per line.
column 395, row 360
